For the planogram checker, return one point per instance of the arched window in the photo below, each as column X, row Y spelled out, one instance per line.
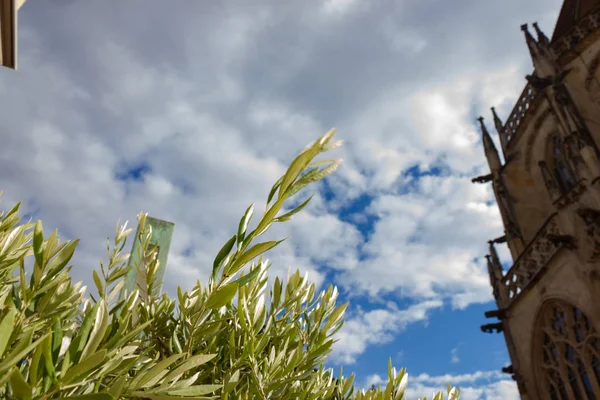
column 569, row 363
column 558, row 161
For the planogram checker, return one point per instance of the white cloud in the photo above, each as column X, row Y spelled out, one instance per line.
column 480, row 385
column 428, row 244
column 375, row 327
column 454, row 358
column 217, row 100
column 374, row 380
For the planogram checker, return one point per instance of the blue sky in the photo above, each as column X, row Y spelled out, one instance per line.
column 191, row 112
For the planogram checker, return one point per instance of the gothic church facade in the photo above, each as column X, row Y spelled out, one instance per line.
column 547, row 186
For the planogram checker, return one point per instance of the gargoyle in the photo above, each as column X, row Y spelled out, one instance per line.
column 501, row 239
column 542, row 83
column 489, row 328
column 500, row 314
column 482, row 179
column 538, row 83
column 508, row 370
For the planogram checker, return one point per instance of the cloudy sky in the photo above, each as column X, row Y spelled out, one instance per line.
column 190, row 112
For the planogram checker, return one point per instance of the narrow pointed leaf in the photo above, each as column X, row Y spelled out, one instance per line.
column 287, row 216
column 20, row 387
column 63, row 257
column 85, row 366
column 225, row 250
column 98, row 282
column 6, row 328
column 244, row 279
column 100, row 326
column 38, row 243
column 91, row 396
column 222, row 296
column 244, row 223
column 252, row 253
column 144, row 377
column 197, row 390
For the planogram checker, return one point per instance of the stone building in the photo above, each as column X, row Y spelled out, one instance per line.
column 547, row 186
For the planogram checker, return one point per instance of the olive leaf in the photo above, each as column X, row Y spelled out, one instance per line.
column 58, row 341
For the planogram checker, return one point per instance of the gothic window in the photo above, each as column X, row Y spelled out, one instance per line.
column 569, row 363
column 560, row 165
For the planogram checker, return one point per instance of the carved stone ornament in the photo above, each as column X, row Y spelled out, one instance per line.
column 538, row 83
column 594, row 90
column 591, row 219
column 490, row 328
column 548, row 180
column 572, row 196
column 566, row 241
column 512, row 229
column 591, row 82
column 566, row 353
column 573, row 145
column 570, row 115
column 482, row 179
column 534, row 258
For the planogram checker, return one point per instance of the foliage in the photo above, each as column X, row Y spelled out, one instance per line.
column 222, row 340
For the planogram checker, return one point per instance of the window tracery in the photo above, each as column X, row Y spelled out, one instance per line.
column 570, row 353
column 559, row 163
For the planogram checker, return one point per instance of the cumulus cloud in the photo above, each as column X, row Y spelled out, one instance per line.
column 209, row 103
column 480, row 385
column 375, row 327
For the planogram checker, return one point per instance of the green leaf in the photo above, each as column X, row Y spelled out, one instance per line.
column 231, row 382
column 244, row 279
column 97, row 334
column 117, row 387
column 244, row 223
column 348, row 384
column 13, row 212
column 23, row 349
column 274, row 189
column 38, row 243
column 63, row 257
column 98, row 282
column 335, row 316
column 6, row 328
column 266, row 220
column 192, row 362
column 48, row 359
column 296, row 168
column 144, row 377
column 222, row 296
column 52, row 283
column 225, row 250
column 322, row 173
column 196, row 390
column 84, row 366
column 250, row 254
column 91, row 396
column 287, row 216
column 19, row 386
column 277, row 287
column 35, row 363
column 120, row 341
column 151, row 396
